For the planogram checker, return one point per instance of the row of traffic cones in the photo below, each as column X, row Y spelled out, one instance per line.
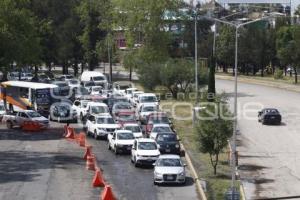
column 91, row 163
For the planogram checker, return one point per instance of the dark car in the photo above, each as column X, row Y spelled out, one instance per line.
column 157, row 118
column 63, row 112
column 168, row 143
column 269, row 116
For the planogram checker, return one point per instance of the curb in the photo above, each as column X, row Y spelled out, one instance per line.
column 284, row 86
column 196, row 178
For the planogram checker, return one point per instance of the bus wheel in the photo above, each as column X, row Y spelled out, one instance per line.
column 9, row 125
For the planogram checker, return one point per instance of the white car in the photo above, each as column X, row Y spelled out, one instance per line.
column 169, row 169
column 81, row 107
column 146, row 98
column 144, row 152
column 134, row 98
column 100, row 126
column 97, row 108
column 96, row 77
column 145, row 110
column 120, row 87
column 120, row 141
column 129, row 92
column 160, row 128
column 135, row 128
column 95, row 90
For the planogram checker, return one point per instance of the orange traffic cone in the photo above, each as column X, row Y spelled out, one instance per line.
column 90, row 162
column 88, row 152
column 82, row 139
column 107, row 194
column 70, row 133
column 98, row 180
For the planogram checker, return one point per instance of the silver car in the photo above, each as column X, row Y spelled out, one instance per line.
column 169, row 169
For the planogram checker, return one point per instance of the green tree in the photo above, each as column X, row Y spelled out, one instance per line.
column 19, row 40
column 287, row 43
column 213, row 131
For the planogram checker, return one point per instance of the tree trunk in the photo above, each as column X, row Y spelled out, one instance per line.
column 296, row 75
column 130, row 73
column 262, row 71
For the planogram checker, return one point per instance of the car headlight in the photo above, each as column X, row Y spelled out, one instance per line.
column 177, row 146
column 182, row 174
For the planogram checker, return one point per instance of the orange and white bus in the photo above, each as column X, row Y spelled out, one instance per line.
column 27, row 95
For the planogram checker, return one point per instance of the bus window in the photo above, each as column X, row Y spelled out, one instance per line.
column 24, row 93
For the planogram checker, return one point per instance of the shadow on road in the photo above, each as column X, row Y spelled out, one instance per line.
column 17, row 134
column 24, row 166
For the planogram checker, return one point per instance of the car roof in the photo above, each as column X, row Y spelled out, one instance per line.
column 147, row 94
column 123, row 131
column 145, row 140
column 92, row 103
column 131, row 124
column 161, row 125
column 165, row 156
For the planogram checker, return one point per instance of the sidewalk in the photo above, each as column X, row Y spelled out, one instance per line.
column 280, row 85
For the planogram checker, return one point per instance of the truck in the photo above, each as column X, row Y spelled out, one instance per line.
column 18, row 118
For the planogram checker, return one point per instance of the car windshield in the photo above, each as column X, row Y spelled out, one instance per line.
column 96, row 89
column 105, row 120
column 166, row 138
column 83, row 91
column 169, row 162
column 89, row 84
column 126, row 117
column 149, row 109
column 125, row 136
column 160, row 120
column 123, row 106
column 98, row 78
column 74, row 82
column 69, row 76
column 147, row 146
column 98, row 109
column 271, row 111
column 160, row 129
column 63, row 108
column 134, row 129
column 145, row 99
column 62, row 84
column 33, row 114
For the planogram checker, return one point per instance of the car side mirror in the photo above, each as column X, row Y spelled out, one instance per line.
column 153, row 164
column 133, row 148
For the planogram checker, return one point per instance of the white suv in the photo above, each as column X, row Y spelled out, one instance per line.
column 101, row 125
column 144, row 152
column 135, row 128
column 120, row 141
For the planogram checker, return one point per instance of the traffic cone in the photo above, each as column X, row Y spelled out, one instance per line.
column 107, row 193
column 82, row 139
column 90, row 162
column 88, row 152
column 98, row 180
column 70, row 134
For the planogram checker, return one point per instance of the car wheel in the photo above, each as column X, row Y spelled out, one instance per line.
column 154, row 183
column 108, row 146
column 116, row 150
column 95, row 135
column 135, row 163
column 263, row 122
column 9, row 125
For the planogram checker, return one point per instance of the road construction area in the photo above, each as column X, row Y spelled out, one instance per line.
column 44, row 165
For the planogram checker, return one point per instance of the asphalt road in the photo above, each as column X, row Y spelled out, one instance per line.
column 269, row 160
column 44, row 166
column 131, row 183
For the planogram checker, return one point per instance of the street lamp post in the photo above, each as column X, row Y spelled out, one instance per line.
column 196, row 58
column 233, row 153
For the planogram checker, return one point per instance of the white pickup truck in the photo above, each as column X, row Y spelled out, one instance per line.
column 18, row 119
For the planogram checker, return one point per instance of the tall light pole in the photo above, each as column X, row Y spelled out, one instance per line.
column 196, row 57
column 233, row 152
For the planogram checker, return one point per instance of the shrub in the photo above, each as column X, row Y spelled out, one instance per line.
column 278, row 74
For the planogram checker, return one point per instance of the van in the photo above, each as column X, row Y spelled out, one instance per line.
column 97, row 77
